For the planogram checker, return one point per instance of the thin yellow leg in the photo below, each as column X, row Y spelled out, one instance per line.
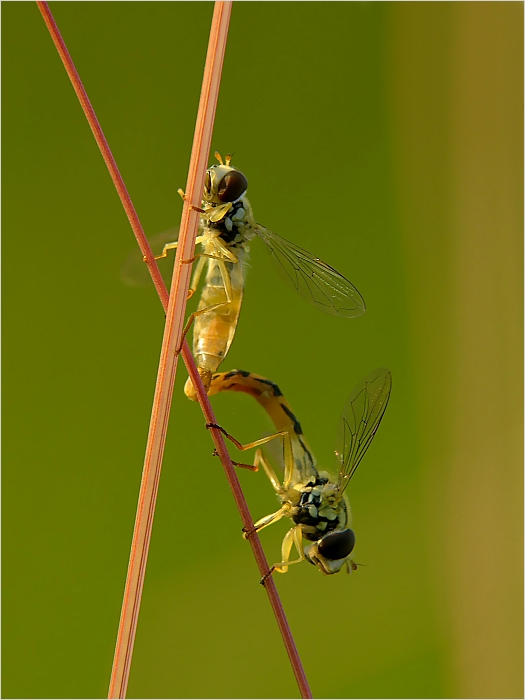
column 351, row 566
column 167, row 247
column 251, row 467
column 185, row 197
column 225, row 252
column 211, row 256
column 268, row 520
column 192, row 318
column 227, row 290
column 293, row 536
column 196, row 277
column 259, row 457
column 172, row 246
column 287, row 458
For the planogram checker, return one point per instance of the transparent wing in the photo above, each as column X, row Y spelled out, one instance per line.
column 315, row 281
column 274, row 450
column 361, row 417
column 134, row 271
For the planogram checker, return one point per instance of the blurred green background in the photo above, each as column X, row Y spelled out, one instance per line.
column 387, row 139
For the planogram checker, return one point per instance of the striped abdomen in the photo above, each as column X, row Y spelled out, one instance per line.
column 270, row 397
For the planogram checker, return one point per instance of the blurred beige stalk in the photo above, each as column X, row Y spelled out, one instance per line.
column 456, row 89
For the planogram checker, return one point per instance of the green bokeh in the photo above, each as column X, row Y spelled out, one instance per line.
column 312, row 107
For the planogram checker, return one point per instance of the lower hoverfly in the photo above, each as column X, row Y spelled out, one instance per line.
column 226, row 228
column 316, row 503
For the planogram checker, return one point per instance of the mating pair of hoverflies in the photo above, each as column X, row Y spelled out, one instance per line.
column 315, row 501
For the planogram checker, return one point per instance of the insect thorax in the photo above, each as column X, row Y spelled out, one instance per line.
column 317, row 508
column 236, row 227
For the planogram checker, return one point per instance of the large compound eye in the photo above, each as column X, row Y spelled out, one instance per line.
column 337, row 545
column 232, row 185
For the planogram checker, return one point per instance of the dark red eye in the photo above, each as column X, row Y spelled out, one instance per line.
column 232, row 185
column 337, row 545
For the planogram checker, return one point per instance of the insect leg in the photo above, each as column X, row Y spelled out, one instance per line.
column 293, row 536
column 351, row 566
column 184, row 196
column 251, row 467
column 172, row 246
column 225, row 252
column 268, row 520
column 259, row 457
column 212, row 307
column 270, row 473
column 196, row 277
column 167, row 247
column 218, row 213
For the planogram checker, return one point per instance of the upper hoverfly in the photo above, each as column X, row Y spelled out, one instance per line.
column 226, row 228
column 315, row 502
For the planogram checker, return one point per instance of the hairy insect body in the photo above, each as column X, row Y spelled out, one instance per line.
column 226, row 230
column 214, row 330
column 236, row 227
column 312, row 499
column 309, row 497
column 226, row 227
column 318, row 511
column 210, row 348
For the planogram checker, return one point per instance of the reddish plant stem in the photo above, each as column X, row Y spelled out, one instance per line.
column 104, row 148
column 175, row 309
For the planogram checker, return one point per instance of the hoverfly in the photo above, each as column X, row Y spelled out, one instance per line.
column 226, row 228
column 317, row 503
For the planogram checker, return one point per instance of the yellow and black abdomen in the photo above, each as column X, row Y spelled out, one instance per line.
column 271, row 398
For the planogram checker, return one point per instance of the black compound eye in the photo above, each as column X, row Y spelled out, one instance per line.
column 337, row 545
column 232, row 185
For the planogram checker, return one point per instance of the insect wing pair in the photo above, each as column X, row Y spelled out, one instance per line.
column 316, row 502
column 359, row 422
column 314, row 280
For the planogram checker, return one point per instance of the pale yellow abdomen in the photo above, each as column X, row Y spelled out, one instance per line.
column 213, row 331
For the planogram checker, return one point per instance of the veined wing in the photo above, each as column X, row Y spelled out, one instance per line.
column 315, row 281
column 361, row 417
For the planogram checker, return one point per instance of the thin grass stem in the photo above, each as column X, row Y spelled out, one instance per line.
column 174, row 306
